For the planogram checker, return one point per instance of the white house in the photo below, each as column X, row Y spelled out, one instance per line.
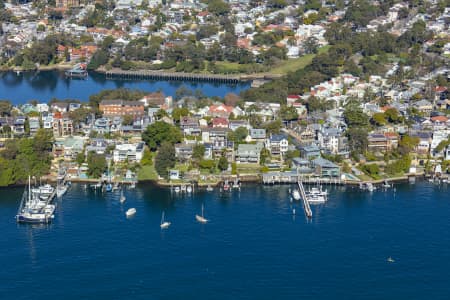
column 130, row 152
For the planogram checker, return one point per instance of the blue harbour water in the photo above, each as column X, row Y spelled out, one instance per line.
column 252, row 248
column 44, row 85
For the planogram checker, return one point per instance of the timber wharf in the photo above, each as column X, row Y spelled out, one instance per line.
column 306, row 207
column 157, row 75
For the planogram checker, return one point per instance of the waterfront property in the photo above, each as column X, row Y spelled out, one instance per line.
column 325, row 168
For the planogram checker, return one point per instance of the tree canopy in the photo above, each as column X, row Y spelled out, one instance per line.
column 160, row 132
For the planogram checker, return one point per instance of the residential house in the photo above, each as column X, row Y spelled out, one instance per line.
column 96, row 145
column 331, row 140
column 6, row 122
column 325, row 168
column 425, row 138
column 392, row 140
column 129, row 152
column 18, row 127
column 221, row 111
column 424, row 106
column 59, row 107
column 190, row 126
column 220, row 123
column 439, row 122
column 309, row 152
column 377, row 142
column 217, row 137
column 235, row 124
column 277, row 144
column 111, row 108
column 34, row 123
column 183, row 152
column 302, row 166
column 101, row 125
column 62, row 127
column 153, row 100
column 248, row 153
column 256, row 135
column 68, row 148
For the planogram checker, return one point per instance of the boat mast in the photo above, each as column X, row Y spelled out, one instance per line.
column 29, row 188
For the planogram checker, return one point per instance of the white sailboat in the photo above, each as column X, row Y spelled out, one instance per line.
column 201, row 218
column 122, row 197
column 296, row 195
column 164, row 224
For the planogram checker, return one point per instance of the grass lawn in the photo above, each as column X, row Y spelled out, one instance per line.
column 282, row 68
column 294, row 64
column 230, row 67
column 147, row 173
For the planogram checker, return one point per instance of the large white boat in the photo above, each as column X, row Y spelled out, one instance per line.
column 45, row 192
column 316, row 195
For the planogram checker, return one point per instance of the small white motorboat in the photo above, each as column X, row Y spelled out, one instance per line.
column 177, row 189
column 296, row 195
column 201, row 218
column 390, row 259
column 164, row 224
column 189, row 189
column 131, row 212
column 209, row 188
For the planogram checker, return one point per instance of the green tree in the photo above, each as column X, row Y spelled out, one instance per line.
column 379, row 119
column 354, row 115
column 407, row 144
column 392, row 115
column 218, row 7
column 96, row 164
column 5, row 107
column 264, row 156
column 178, row 113
column 165, row 159
column 147, row 158
column 239, row 135
column 80, row 158
column 127, row 120
column 99, row 58
column 160, row 132
column 357, row 139
column 198, row 152
column 288, row 113
column 223, row 163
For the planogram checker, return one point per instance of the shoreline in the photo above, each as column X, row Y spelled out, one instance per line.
column 253, row 179
column 164, row 75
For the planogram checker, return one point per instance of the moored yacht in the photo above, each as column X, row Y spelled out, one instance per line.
column 316, row 195
column 33, row 208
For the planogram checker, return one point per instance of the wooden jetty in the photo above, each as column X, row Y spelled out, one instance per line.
column 307, row 208
column 181, row 76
